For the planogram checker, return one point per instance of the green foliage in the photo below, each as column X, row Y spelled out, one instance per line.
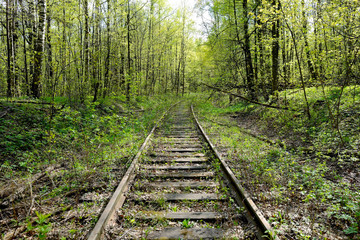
column 22, row 131
column 84, row 142
column 161, row 201
column 186, row 223
column 42, row 226
column 287, row 174
column 87, row 125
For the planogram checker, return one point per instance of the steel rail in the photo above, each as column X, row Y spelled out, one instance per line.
column 261, row 222
column 118, row 198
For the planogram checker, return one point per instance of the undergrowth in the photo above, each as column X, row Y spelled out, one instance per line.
column 303, row 193
column 81, row 147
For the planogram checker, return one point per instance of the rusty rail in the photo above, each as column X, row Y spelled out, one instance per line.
column 266, row 230
column 118, row 198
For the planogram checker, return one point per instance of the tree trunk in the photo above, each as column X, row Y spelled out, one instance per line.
column 108, row 53
column 49, row 67
column 96, row 78
column 275, row 51
column 9, row 40
column 32, row 32
column 86, row 53
column 38, row 50
column 248, row 61
column 128, row 84
column 307, row 48
column 300, row 70
column 27, row 90
column 178, row 74
column 183, row 57
column 66, row 84
column 259, row 75
column 284, row 59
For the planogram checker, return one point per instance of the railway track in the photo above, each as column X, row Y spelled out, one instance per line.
column 179, row 188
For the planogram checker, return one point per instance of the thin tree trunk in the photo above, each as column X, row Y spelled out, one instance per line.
column 96, row 56
column 284, row 62
column 275, row 52
column 307, row 48
column 260, row 66
column 178, row 75
column 25, row 52
column 239, row 42
column 183, row 57
column 32, row 32
column 14, row 40
column 300, row 69
column 128, row 84
column 38, row 50
column 248, row 61
column 49, row 67
column 108, row 53
column 66, row 84
column 86, row 53
column 9, row 61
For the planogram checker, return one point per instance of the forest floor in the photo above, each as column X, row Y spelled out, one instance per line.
column 59, row 166
column 304, row 180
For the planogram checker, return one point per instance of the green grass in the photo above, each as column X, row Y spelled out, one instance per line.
column 321, row 129
column 288, row 180
column 86, row 141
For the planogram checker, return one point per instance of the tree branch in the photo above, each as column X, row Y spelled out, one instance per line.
column 249, row 100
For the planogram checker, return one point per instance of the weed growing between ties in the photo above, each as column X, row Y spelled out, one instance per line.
column 60, row 166
column 303, row 188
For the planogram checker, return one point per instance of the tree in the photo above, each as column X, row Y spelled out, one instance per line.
column 38, row 49
column 9, row 45
column 248, row 59
column 275, row 49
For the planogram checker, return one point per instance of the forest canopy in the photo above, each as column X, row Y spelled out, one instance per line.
column 257, row 48
column 98, row 48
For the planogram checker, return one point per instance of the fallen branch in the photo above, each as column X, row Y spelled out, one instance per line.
column 13, row 233
column 12, row 191
column 3, row 114
column 242, row 130
column 32, row 200
column 328, row 152
column 249, row 100
column 32, row 102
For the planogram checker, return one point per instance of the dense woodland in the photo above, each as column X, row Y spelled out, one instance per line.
column 288, row 70
column 82, row 48
column 91, row 48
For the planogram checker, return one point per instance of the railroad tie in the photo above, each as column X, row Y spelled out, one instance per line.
column 176, row 191
column 175, row 183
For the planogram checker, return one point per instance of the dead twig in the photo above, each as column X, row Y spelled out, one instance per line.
column 31, row 102
column 32, row 200
column 3, row 114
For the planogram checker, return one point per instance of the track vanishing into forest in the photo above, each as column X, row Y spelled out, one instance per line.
column 178, row 187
